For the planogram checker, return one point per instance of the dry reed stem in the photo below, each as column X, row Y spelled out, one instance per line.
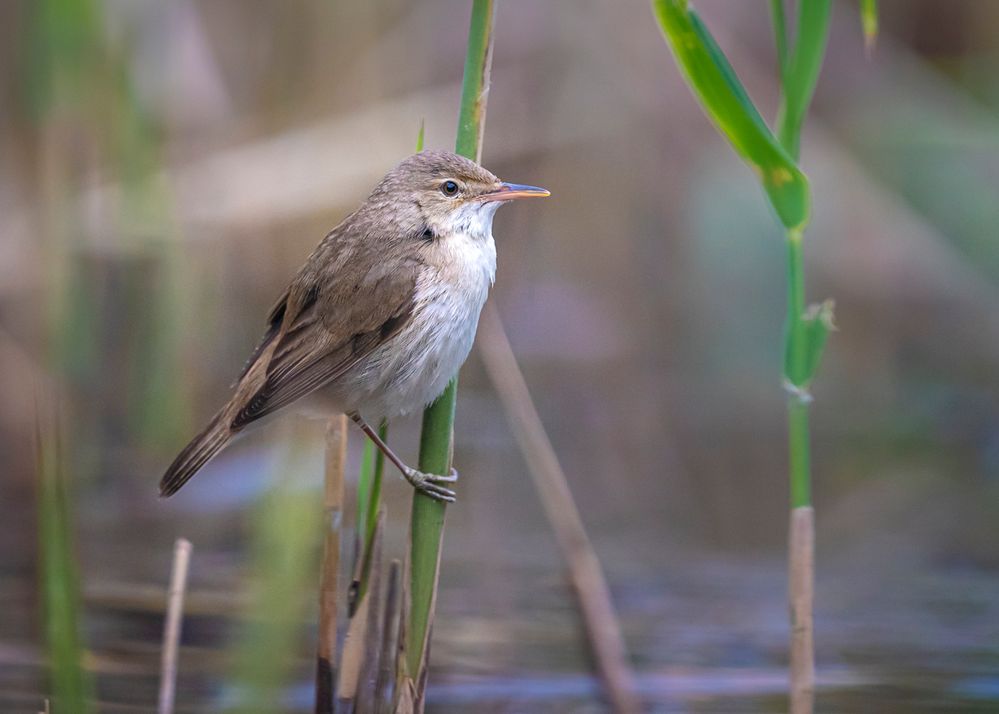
column 389, row 652
column 172, row 625
column 585, row 574
column 355, row 664
column 336, row 458
column 407, row 697
column 801, row 566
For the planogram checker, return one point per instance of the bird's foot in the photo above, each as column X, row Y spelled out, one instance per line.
column 430, row 484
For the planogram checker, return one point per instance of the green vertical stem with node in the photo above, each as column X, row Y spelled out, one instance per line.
column 427, row 521
column 805, row 333
column 774, row 157
column 796, row 350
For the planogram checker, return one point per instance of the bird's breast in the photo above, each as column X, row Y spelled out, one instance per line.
column 413, row 368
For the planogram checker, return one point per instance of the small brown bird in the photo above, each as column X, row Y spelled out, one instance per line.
column 381, row 316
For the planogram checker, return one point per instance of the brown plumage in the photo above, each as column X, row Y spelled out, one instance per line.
column 366, row 320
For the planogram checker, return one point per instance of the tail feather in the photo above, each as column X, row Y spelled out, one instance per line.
column 196, row 454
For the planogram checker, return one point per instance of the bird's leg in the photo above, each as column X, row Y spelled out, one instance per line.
column 424, row 482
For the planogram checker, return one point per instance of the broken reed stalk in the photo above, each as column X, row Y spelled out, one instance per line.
column 336, row 458
column 585, row 574
column 172, row 625
column 359, row 657
column 427, row 520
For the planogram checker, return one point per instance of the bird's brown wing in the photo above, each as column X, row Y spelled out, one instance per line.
column 275, row 319
column 320, row 329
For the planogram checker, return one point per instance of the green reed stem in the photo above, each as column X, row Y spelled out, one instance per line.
column 799, row 74
column 796, row 350
column 364, row 481
column 375, row 497
column 427, row 523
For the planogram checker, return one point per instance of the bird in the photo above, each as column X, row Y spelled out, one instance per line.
column 380, row 317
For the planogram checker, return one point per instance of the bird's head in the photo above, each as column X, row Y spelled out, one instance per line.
column 451, row 194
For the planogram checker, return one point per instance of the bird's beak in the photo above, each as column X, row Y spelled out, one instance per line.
column 510, row 191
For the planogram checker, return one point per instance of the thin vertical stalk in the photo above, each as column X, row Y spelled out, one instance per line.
column 172, row 625
column 799, row 75
column 364, row 478
column 427, row 521
column 801, row 530
column 336, row 459
column 775, row 160
column 801, row 595
column 796, row 347
column 375, row 494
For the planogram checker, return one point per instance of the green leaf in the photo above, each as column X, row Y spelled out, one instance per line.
column 780, row 34
column 802, row 72
column 725, row 101
column 816, row 324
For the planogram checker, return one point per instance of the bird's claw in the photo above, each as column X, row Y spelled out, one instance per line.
column 450, row 478
column 429, row 484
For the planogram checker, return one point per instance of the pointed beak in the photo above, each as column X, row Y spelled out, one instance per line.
column 510, row 191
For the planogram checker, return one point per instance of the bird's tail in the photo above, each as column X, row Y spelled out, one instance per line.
column 212, row 439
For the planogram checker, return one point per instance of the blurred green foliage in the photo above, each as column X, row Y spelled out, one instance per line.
column 60, row 580
column 286, row 537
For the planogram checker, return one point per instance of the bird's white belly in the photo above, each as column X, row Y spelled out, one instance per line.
column 413, row 368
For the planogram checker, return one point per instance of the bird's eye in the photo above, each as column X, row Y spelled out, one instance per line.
column 449, row 188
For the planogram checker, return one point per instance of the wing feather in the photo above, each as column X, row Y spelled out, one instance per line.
column 319, row 332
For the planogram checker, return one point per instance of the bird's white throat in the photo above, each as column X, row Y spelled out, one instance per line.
column 474, row 219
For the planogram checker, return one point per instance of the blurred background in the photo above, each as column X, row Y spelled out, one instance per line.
column 166, row 167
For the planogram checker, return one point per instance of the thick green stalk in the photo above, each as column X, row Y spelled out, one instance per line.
column 427, row 521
